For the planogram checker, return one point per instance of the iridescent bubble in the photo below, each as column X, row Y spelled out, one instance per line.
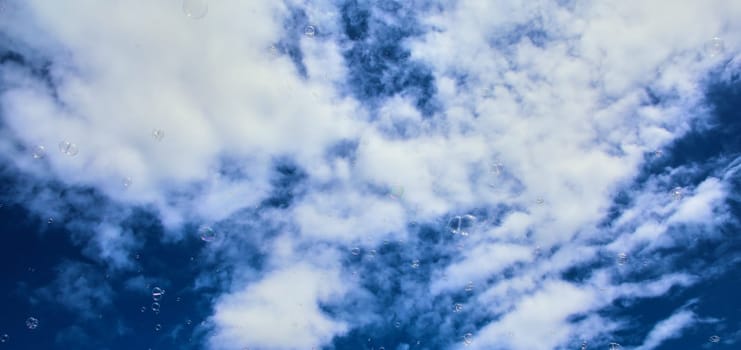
column 615, row 346
column 309, row 31
column 622, row 258
column 157, row 327
column 396, row 192
column 4, row 338
column 467, row 339
column 457, row 307
column 355, row 251
column 469, row 287
column 158, row 134
column 195, row 9
column 715, row 47
column 39, row 152
column 157, row 293
column 68, row 148
column 415, row 263
column 32, row 323
column 714, row 339
column 156, row 307
column 207, row 233
column 677, row 193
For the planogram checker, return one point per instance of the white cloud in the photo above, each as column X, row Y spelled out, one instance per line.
column 668, row 329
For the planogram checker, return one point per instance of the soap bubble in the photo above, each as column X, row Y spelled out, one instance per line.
column 68, row 148
column 310, row 31
column 539, row 200
column 415, row 263
column 396, row 192
column 39, row 152
column 714, row 339
column 677, row 193
column 188, row 322
column 158, row 134
column 397, row 324
column 583, row 345
column 157, row 293
column 50, row 221
column 32, row 323
column 156, row 307
column 715, row 47
column 615, row 346
column 457, row 307
column 469, row 287
column 467, row 339
column 461, row 224
column 622, row 258
column 4, row 338
column 157, row 327
column 144, row 309
column 355, row 251
column 207, row 233
column 195, row 9
column 126, row 182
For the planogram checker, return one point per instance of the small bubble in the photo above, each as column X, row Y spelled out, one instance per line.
column 397, row 324
column 615, row 346
column 497, row 168
column 583, row 345
column 677, row 193
column 158, row 134
column 461, row 224
column 309, row 31
column 144, row 309
column 50, row 221
column 188, row 322
column 157, row 293
column 207, row 233
column 31, row 269
column 32, row 323
column 177, row 300
column 157, row 327
column 415, row 264
column 469, row 287
column 156, row 307
column 467, row 339
column 539, row 200
column 714, row 339
column 372, row 253
column 396, row 192
column 68, row 148
column 355, row 251
column 457, row 307
column 39, row 152
column 126, row 182
column 195, row 9
column 622, row 258
column 715, row 47
column 4, row 338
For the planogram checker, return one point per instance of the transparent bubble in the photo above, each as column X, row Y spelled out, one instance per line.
column 372, row 253
column 32, row 323
column 355, row 251
column 622, row 258
column 396, row 192
column 467, row 339
column 68, row 148
column 126, row 182
column 158, row 134
column 4, row 338
column 188, row 322
column 310, row 31
column 677, row 193
column 714, row 339
column 50, row 221
column 397, row 324
column 39, row 152
column 157, row 293
column 415, row 264
column 715, row 47
column 156, row 307
column 469, row 287
column 539, row 200
column 207, row 233
column 457, row 307
column 583, row 345
column 195, row 9
column 157, row 327
column 144, row 309
column 461, row 224
column 497, row 168
column 615, row 346
column 177, row 300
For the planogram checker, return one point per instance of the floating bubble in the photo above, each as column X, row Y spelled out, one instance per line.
column 396, row 192
column 714, row 339
column 157, row 327
column 50, row 221
column 622, row 258
column 677, row 193
column 177, row 300
column 539, row 200
column 461, row 224
column 68, row 148
column 497, row 168
column 32, row 323
column 397, row 324
column 144, row 309
column 39, row 152
column 156, row 307
column 583, row 345
column 195, row 9
column 615, row 346
column 457, row 307
column 469, row 287
column 157, row 293
column 415, row 263
column 715, row 47
column 355, row 251
column 126, row 182
column 4, row 338
column 372, row 253
column 309, row 31
column 158, row 134
column 188, row 322
column 467, row 339
column 207, row 233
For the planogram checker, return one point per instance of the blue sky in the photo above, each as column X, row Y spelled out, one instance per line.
column 370, row 175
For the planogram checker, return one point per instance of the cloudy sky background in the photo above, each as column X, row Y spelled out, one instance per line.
column 407, row 175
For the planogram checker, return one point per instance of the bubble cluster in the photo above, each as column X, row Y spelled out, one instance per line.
column 310, row 31
column 677, row 193
column 195, row 9
column 39, row 152
column 158, row 134
column 68, row 148
column 714, row 339
column 461, row 224
column 415, row 263
column 467, row 339
column 583, row 345
column 32, row 323
column 207, row 233
column 157, row 327
column 157, row 293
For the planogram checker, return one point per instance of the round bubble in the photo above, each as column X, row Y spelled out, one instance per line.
column 469, row 287
column 415, row 264
column 157, row 293
column 157, row 327
column 461, row 224
column 396, row 192
column 207, row 233
column 715, row 47
column 158, row 134
column 622, row 258
column 615, row 346
column 457, row 307
column 144, row 309
column 397, row 324
column 156, row 307
column 195, row 9
column 32, row 323
column 126, row 182
column 677, row 193
column 188, row 322
column 310, row 31
column 50, row 221
column 38, row 152
column 714, row 339
column 355, row 251
column 467, row 339
column 583, row 345
column 68, row 148
column 4, row 338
